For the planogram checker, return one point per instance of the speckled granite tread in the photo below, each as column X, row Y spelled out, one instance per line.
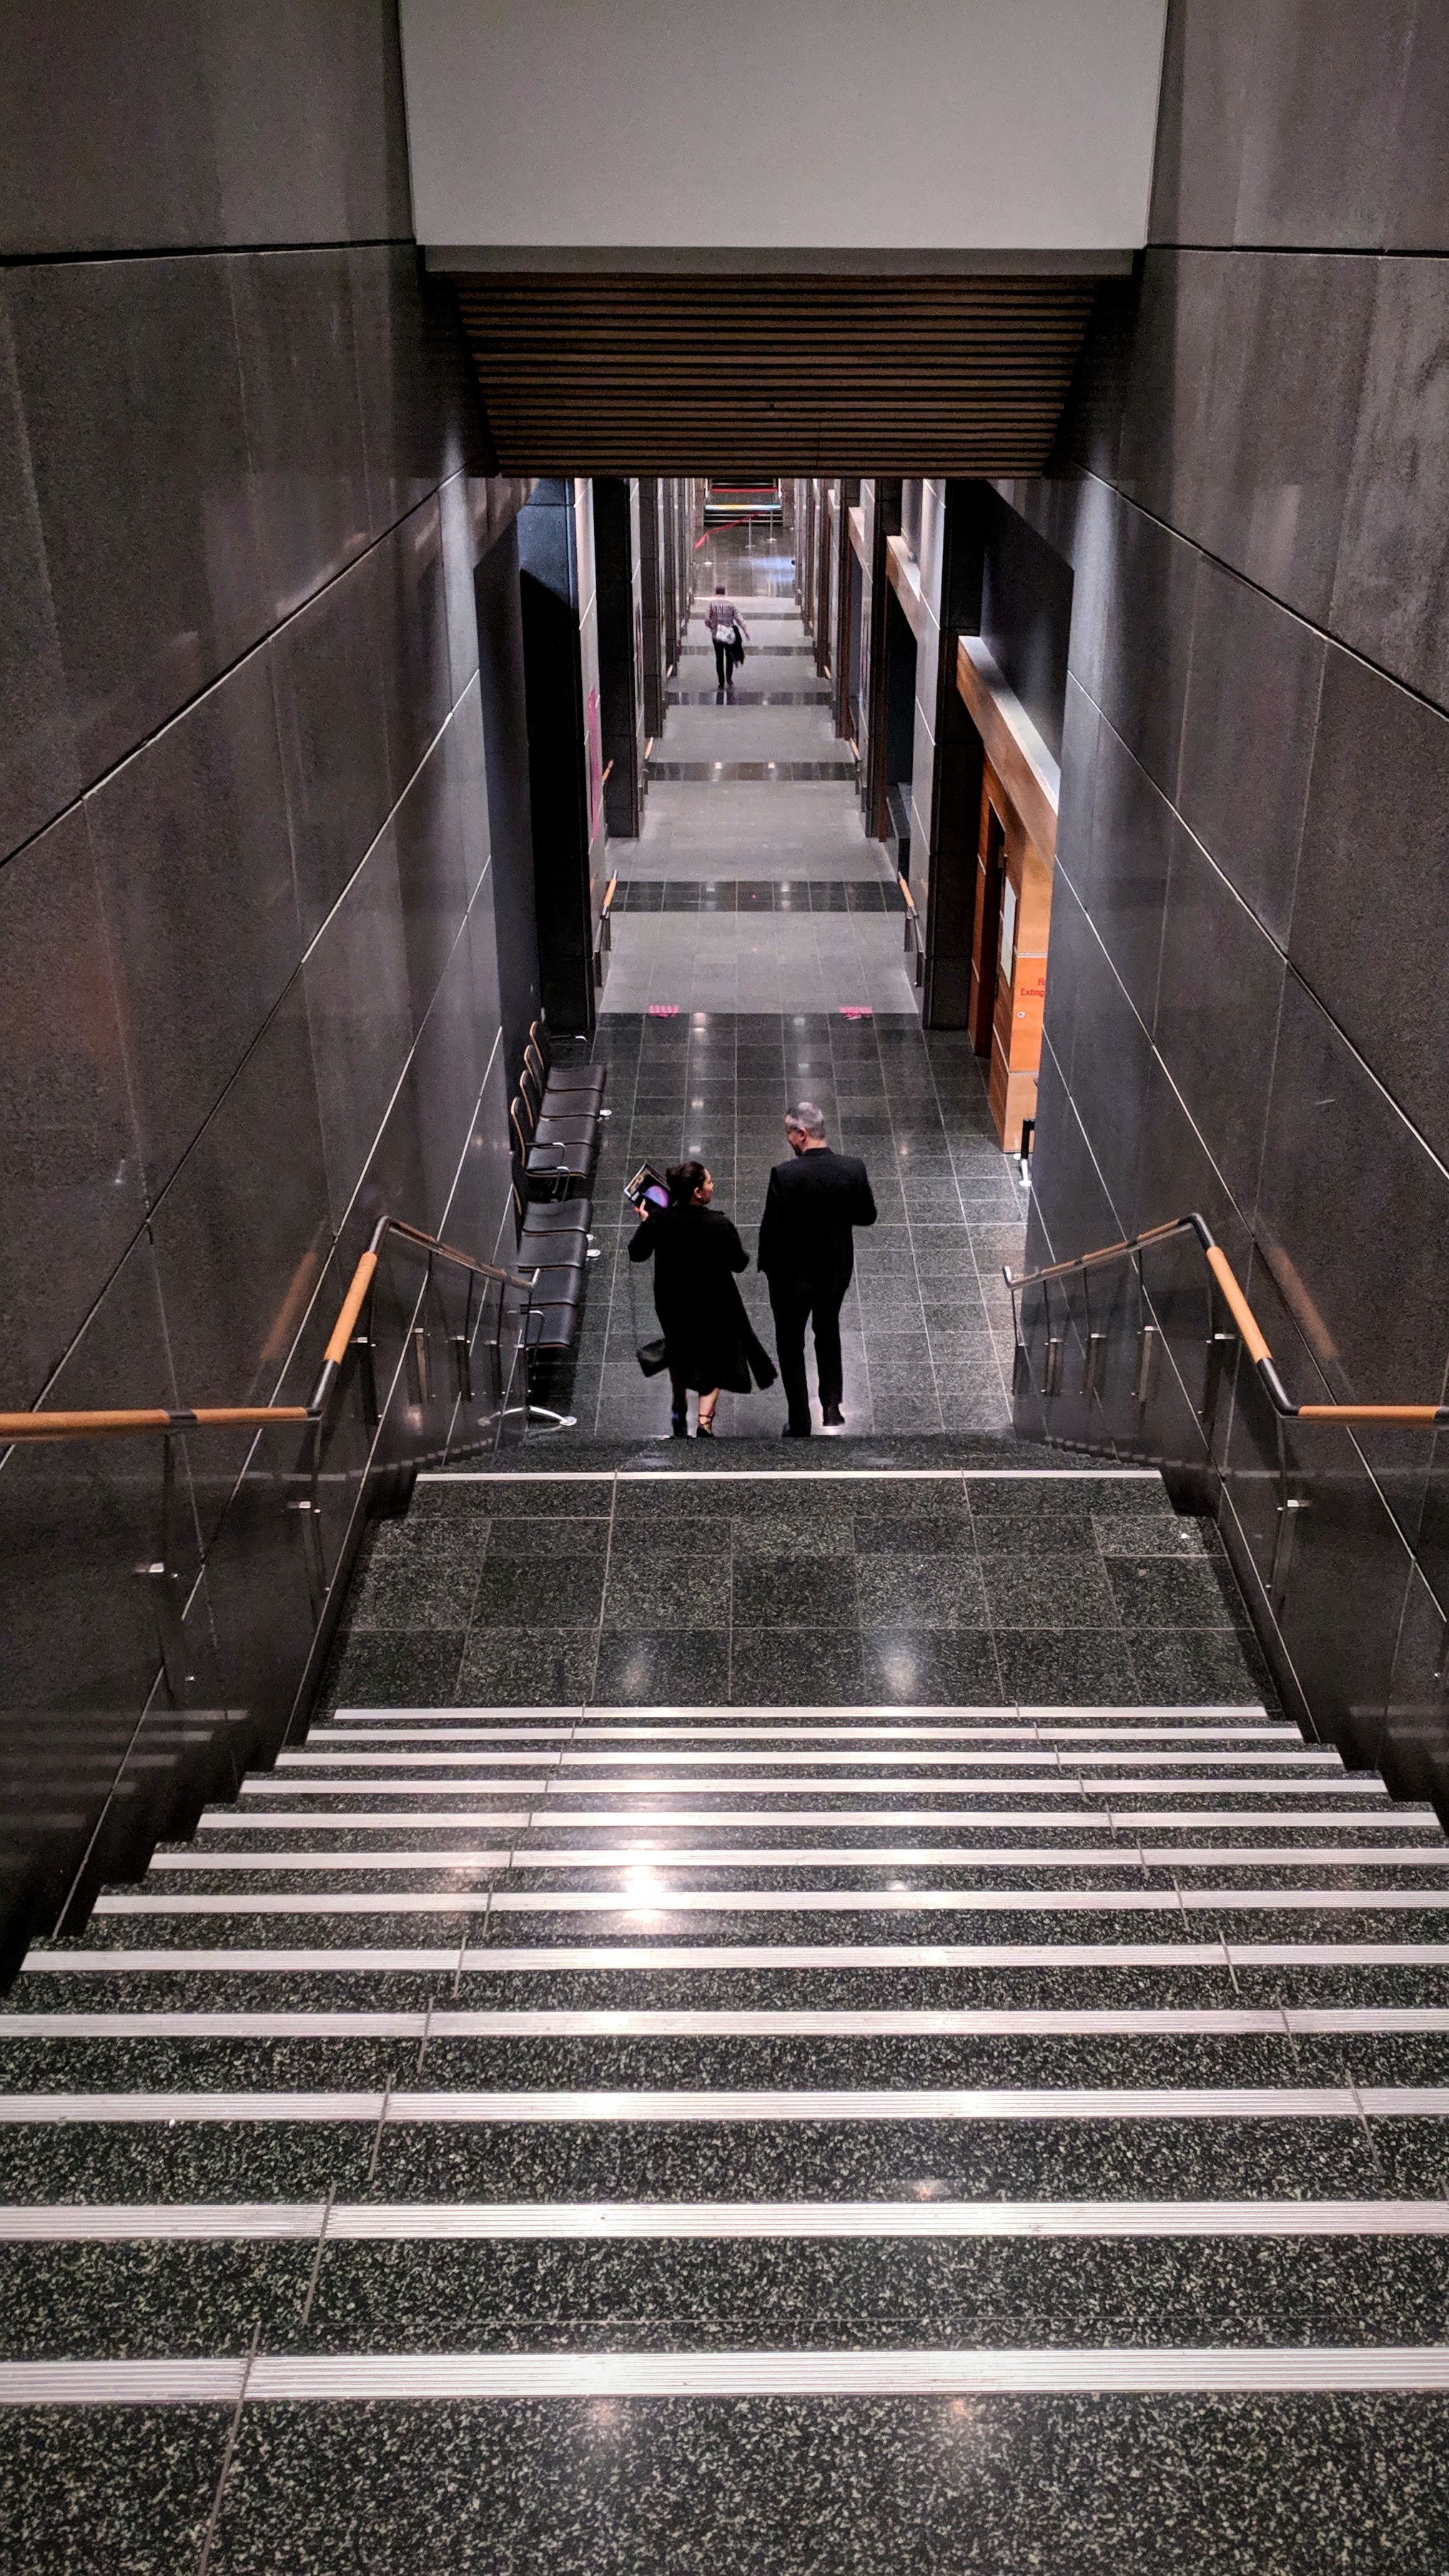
column 778, row 2093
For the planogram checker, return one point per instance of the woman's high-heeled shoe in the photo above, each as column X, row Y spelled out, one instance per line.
column 704, row 1430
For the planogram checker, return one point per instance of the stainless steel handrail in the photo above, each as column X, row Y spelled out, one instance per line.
column 1254, row 1339
column 102, row 1423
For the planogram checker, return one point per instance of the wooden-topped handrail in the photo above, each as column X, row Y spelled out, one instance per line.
column 125, row 1422
column 1255, row 1341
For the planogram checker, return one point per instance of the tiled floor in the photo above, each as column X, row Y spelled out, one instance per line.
column 750, row 830
column 752, row 915
column 715, row 812
column 757, row 894
column 747, row 1591
column 927, row 1329
column 758, row 963
column 799, row 2015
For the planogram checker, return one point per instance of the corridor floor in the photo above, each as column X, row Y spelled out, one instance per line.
column 758, row 957
column 748, row 794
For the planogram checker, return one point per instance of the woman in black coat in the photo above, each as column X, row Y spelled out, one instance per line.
column 709, row 1339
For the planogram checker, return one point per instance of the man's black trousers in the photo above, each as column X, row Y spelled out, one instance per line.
column 794, row 1302
column 724, row 661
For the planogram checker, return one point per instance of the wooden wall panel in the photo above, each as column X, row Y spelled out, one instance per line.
column 773, row 375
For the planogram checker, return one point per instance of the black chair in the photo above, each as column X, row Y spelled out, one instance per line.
column 558, row 1094
column 565, row 1127
column 551, row 1162
column 589, row 1079
column 551, row 1330
column 552, row 1234
column 547, row 1219
column 543, row 1241
column 554, row 1285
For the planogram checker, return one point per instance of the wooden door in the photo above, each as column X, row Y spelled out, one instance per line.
column 986, row 928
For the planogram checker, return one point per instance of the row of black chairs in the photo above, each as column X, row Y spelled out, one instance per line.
column 554, row 1121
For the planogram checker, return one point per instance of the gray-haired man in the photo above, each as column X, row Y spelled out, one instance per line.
column 807, row 1253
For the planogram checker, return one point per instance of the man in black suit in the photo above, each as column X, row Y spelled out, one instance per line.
column 807, row 1253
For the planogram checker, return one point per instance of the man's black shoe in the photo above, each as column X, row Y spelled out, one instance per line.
column 833, row 1417
column 796, row 1431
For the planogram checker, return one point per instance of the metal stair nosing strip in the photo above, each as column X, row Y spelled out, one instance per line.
column 462, row 1959
column 722, row 2106
column 415, row 2377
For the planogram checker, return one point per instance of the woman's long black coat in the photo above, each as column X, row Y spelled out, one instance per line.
column 708, row 1335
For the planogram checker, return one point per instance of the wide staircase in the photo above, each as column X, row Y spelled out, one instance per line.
column 633, row 2139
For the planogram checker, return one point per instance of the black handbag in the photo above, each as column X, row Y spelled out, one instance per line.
column 651, row 1355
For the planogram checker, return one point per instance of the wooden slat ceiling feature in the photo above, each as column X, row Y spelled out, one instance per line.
column 773, row 375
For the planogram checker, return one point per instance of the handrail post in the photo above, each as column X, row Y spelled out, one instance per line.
column 1020, row 1358
column 1217, row 1346
column 1051, row 1377
column 1149, row 1337
column 1441, row 1668
column 309, row 1510
column 164, row 1583
column 463, row 1348
column 1094, row 1349
column 365, row 1344
column 1289, row 1508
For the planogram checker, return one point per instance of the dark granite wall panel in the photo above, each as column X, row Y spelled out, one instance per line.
column 1418, row 215
column 1134, row 830
column 557, row 596
column 651, row 601
column 303, row 416
column 131, row 389
column 70, row 1157
column 39, row 772
column 249, row 962
column 1206, row 82
column 1245, row 1011
column 1291, row 352
column 413, row 604
column 327, row 672
column 1321, row 71
column 420, row 413
column 356, row 983
column 616, row 570
column 267, row 123
column 1217, row 1028
column 1026, row 611
column 1393, row 559
column 505, row 744
column 243, row 1229
column 192, row 847
column 1248, row 733
column 466, row 753
column 1370, row 925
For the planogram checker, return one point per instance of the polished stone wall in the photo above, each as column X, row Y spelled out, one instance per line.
column 1245, row 1008
column 248, row 953
column 565, row 743
column 620, row 613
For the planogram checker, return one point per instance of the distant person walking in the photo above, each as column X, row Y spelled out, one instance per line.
column 728, row 634
column 807, row 1253
column 709, row 1341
